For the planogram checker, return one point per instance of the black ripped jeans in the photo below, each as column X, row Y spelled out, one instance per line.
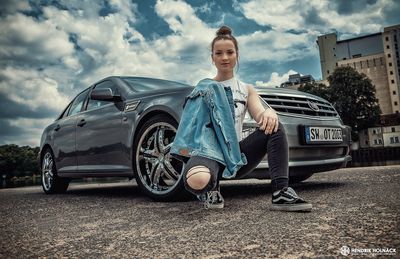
column 255, row 147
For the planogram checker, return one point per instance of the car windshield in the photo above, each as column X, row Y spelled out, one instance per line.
column 137, row 84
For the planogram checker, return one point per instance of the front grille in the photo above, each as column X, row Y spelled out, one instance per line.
column 299, row 105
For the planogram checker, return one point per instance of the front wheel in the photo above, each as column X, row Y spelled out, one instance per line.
column 157, row 173
column 51, row 182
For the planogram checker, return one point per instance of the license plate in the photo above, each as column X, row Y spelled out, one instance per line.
column 323, row 135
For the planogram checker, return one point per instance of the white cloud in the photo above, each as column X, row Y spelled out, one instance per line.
column 276, row 46
column 281, row 15
column 40, row 41
column 32, row 88
column 293, row 15
column 276, row 79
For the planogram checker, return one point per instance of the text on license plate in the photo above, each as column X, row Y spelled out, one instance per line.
column 323, row 134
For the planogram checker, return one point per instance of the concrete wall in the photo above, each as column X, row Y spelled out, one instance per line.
column 374, row 67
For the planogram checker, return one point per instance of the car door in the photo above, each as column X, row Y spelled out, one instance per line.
column 64, row 136
column 99, row 144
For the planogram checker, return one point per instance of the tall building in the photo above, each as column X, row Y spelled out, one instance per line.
column 376, row 55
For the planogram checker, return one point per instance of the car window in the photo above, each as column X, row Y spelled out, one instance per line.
column 97, row 103
column 77, row 103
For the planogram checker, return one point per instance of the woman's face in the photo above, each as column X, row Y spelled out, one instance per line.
column 224, row 55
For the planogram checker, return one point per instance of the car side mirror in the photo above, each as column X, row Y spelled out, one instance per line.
column 104, row 94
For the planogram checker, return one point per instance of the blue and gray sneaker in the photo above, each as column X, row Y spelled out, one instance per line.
column 212, row 199
column 287, row 200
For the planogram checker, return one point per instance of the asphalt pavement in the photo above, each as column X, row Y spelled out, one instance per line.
column 356, row 213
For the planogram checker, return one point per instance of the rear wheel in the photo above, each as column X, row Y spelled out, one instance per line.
column 51, row 182
column 157, row 173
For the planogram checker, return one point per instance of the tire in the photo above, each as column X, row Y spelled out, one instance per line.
column 299, row 178
column 158, row 174
column 51, row 182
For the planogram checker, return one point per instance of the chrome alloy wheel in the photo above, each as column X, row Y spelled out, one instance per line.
column 158, row 171
column 47, row 171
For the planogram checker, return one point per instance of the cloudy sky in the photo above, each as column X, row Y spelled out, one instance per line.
column 50, row 50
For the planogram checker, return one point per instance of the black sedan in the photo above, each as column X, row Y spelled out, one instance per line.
column 124, row 127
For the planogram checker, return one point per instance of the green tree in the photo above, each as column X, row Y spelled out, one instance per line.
column 18, row 161
column 318, row 89
column 353, row 96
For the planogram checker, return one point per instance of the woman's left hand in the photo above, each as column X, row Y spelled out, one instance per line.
column 268, row 121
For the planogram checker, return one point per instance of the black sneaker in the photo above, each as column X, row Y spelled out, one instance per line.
column 212, row 199
column 287, row 200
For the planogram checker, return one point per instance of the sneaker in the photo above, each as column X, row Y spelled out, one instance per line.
column 287, row 200
column 212, row 200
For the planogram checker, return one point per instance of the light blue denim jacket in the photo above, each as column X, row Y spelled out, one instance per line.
column 207, row 127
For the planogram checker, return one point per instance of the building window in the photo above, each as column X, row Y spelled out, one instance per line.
column 395, row 103
column 387, row 38
column 389, row 55
column 366, row 142
column 380, row 141
column 394, row 140
column 387, row 47
column 360, row 64
column 375, row 142
column 374, row 131
column 391, row 72
column 393, row 129
column 327, row 72
column 381, row 61
column 374, row 63
column 392, row 81
column 394, row 92
column 390, row 64
column 336, row 64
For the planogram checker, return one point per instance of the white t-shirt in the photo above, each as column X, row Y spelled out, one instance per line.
column 240, row 93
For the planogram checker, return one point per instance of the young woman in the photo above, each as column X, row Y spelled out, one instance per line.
column 209, row 140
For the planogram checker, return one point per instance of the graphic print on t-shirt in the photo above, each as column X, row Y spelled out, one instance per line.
column 240, row 93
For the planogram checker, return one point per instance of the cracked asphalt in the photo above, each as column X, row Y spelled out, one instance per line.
column 353, row 207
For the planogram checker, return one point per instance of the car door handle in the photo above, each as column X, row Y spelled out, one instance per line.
column 57, row 127
column 81, row 123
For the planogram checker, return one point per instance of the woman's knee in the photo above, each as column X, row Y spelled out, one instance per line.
column 198, row 177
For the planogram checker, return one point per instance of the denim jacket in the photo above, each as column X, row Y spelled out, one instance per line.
column 207, row 127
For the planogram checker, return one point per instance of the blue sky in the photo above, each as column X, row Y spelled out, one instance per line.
column 50, row 50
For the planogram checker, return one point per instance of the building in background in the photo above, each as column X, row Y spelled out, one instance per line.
column 388, row 136
column 376, row 55
column 295, row 80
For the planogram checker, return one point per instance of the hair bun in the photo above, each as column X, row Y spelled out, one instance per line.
column 224, row 30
